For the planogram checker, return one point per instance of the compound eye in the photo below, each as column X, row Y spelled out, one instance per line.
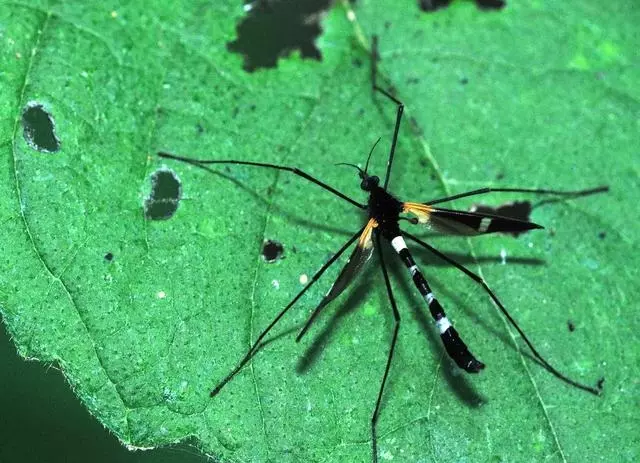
column 375, row 179
column 364, row 185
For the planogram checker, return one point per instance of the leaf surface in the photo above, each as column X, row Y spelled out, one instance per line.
column 536, row 96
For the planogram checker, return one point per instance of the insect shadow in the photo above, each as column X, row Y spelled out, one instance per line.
column 320, row 340
column 260, row 198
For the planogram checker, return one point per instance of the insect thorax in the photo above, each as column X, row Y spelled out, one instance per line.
column 385, row 209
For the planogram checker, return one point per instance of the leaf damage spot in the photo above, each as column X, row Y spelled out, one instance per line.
column 272, row 251
column 571, row 326
column 520, row 210
column 433, row 5
column 108, row 256
column 273, row 29
column 39, row 128
column 166, row 191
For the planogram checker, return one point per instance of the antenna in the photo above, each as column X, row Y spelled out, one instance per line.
column 366, row 167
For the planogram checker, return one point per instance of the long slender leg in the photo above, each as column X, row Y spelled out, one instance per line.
column 257, row 344
column 202, row 163
column 374, row 86
column 482, row 191
column 504, row 311
column 396, row 316
column 453, row 344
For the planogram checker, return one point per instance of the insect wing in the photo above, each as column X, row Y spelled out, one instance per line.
column 452, row 222
column 359, row 257
column 352, row 268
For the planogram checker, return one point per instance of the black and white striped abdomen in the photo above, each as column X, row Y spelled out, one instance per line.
column 454, row 346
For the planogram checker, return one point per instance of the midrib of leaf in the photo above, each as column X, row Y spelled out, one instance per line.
column 303, row 126
column 147, row 164
column 360, row 36
column 254, row 285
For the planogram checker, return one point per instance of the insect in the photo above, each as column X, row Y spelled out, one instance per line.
column 385, row 212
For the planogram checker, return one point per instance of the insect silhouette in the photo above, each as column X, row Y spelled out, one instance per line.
column 385, row 212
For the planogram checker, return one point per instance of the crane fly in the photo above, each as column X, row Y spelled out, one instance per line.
column 385, row 211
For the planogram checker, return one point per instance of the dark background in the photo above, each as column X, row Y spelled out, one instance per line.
column 41, row 420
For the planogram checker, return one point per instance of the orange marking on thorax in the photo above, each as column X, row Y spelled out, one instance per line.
column 365, row 237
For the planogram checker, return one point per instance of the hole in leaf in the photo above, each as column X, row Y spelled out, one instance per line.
column 432, row 5
column 108, row 257
column 273, row 29
column 571, row 326
column 520, row 210
column 166, row 192
column 39, row 128
column 272, row 251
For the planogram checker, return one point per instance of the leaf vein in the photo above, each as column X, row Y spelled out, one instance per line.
column 21, row 207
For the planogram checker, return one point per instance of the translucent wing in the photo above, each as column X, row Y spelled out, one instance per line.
column 452, row 222
column 359, row 257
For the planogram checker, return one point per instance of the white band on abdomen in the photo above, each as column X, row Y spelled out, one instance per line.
column 443, row 324
column 398, row 243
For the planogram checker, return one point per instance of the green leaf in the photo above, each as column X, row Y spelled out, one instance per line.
column 544, row 95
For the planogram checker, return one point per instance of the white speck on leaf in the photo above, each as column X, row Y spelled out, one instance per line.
column 386, row 455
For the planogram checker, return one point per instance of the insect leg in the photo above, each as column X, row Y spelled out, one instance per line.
column 203, row 164
column 258, row 342
column 481, row 191
column 374, row 86
column 396, row 316
column 453, row 344
column 504, row 311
